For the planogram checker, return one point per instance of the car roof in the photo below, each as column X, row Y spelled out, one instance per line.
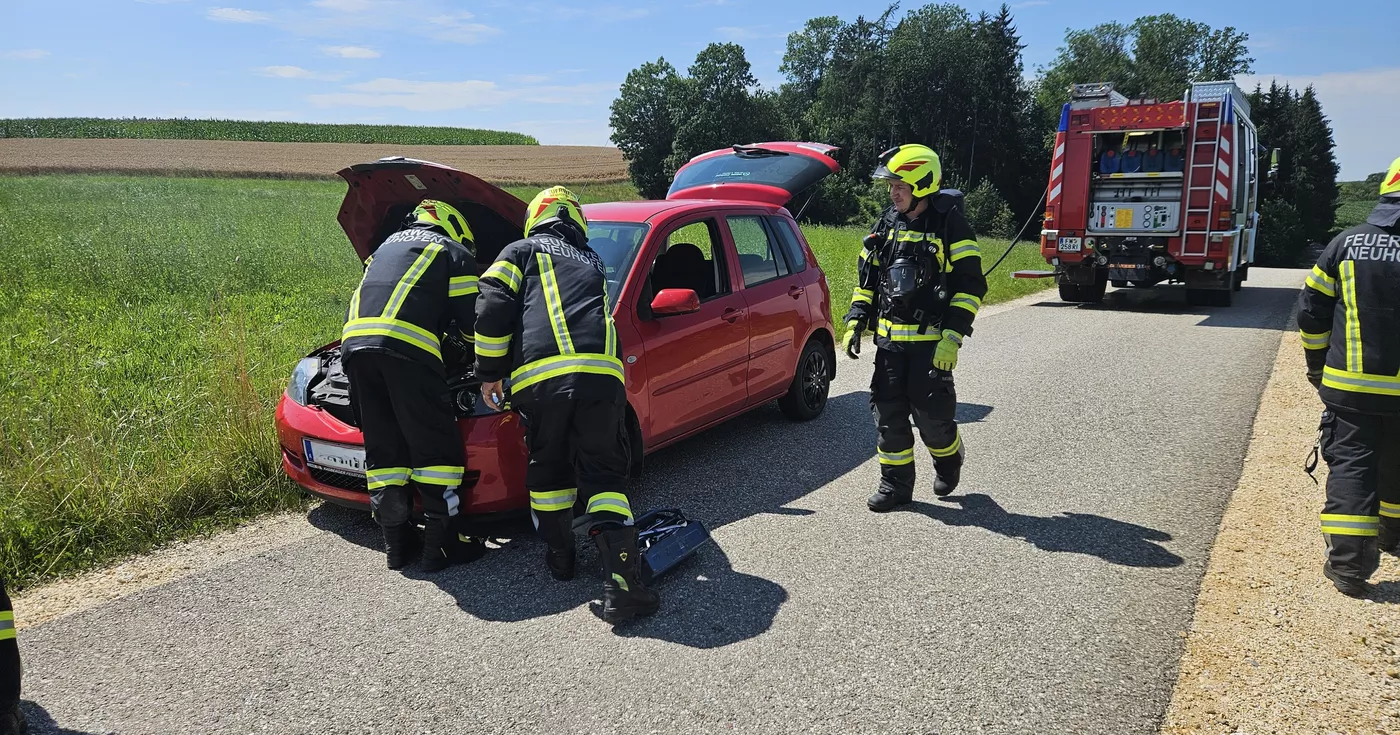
column 647, row 209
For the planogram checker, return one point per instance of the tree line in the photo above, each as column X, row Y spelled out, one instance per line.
column 955, row 81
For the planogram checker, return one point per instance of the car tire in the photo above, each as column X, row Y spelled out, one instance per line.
column 811, row 385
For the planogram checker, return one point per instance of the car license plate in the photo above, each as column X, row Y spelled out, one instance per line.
column 335, row 457
column 1071, row 244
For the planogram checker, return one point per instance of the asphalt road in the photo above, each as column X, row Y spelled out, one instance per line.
column 1048, row 595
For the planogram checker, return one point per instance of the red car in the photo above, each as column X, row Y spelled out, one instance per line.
column 720, row 308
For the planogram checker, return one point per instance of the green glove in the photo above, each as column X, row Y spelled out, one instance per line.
column 851, row 342
column 945, row 357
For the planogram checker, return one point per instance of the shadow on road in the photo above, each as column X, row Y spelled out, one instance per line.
column 1116, row 542
column 1172, row 300
column 40, row 723
column 756, row 464
column 1387, row 591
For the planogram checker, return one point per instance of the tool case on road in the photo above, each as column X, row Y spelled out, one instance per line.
column 666, row 538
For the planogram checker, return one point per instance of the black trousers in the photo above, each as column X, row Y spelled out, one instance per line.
column 1363, row 488
column 578, row 450
column 906, row 385
column 9, row 654
column 411, row 437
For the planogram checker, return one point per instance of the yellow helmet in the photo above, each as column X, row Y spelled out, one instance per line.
column 444, row 216
column 914, row 164
column 555, row 204
column 1390, row 185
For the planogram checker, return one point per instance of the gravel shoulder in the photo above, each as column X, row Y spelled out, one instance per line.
column 500, row 164
column 1273, row 647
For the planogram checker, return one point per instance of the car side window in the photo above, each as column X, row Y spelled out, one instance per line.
column 792, row 247
column 759, row 257
column 692, row 259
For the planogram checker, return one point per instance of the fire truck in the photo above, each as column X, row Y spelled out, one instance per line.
column 1144, row 192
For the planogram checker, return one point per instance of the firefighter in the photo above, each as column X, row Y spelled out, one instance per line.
column 1349, row 315
column 544, row 321
column 419, row 284
column 12, row 720
column 919, row 286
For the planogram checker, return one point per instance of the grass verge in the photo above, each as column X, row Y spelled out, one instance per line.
column 268, row 132
column 147, row 329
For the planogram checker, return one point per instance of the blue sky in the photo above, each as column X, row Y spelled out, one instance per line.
column 551, row 68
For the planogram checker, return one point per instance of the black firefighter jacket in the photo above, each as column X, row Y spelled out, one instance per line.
column 943, row 232
column 544, row 319
column 416, row 284
column 1349, row 315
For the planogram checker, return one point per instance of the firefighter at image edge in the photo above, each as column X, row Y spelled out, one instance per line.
column 11, row 716
column 544, row 320
column 1349, row 316
column 419, row 284
column 920, row 285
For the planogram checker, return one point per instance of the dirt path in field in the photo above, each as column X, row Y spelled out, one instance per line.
column 1273, row 647
column 501, row 164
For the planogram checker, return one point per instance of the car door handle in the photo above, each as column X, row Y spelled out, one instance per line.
column 796, row 291
column 732, row 315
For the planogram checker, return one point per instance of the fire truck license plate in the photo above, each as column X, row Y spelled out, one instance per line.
column 1071, row 244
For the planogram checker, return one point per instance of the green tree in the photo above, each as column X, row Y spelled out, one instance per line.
column 644, row 128
column 988, row 212
column 719, row 105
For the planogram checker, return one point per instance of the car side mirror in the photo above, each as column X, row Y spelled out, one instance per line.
column 675, row 301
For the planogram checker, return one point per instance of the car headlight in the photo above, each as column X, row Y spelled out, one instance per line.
column 305, row 370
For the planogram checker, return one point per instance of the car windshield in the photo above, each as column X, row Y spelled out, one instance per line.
column 617, row 243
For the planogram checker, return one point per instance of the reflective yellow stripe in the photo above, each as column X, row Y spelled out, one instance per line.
column 387, row 477
column 492, row 346
column 1347, row 525
column 444, row 475
column 870, row 255
column 355, row 300
column 550, row 500
column 896, row 458
column 963, row 249
column 911, row 236
column 1348, row 269
column 1390, row 510
column 379, row 327
column 1315, row 341
column 1322, row 283
column 905, row 332
column 949, row 450
column 505, row 272
column 462, row 286
column 1381, row 385
column 610, row 502
column 553, row 367
column 863, row 296
column 555, row 304
column 7, row 625
column 966, row 301
column 610, row 339
column 415, row 271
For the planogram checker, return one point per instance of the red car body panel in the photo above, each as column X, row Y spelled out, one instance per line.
column 685, row 373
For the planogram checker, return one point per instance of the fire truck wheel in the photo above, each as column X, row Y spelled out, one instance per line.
column 1087, row 294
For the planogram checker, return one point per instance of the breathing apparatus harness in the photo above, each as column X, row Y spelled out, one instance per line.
column 912, row 267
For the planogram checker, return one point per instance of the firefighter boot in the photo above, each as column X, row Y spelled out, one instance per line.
column 12, row 721
column 402, row 544
column 1349, row 586
column 445, row 545
column 624, row 594
column 557, row 530
column 948, row 473
column 887, row 499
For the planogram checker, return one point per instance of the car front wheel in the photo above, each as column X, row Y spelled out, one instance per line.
column 806, row 397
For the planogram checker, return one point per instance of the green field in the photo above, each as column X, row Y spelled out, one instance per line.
column 147, row 328
column 268, row 132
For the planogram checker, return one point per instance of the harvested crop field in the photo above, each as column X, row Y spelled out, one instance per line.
column 503, row 164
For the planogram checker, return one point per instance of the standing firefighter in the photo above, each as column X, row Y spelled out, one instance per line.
column 11, row 716
column 919, row 287
column 1350, row 321
column 419, row 282
column 544, row 313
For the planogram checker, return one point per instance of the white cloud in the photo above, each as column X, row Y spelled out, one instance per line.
column 236, row 15
column 26, row 54
column 472, row 93
column 345, row 6
column 350, row 52
column 296, row 72
column 459, row 28
column 1362, row 106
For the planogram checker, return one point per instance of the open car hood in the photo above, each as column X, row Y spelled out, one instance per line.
column 767, row 173
column 383, row 192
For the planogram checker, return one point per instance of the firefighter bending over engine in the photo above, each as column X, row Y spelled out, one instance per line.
column 545, row 320
column 920, row 285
